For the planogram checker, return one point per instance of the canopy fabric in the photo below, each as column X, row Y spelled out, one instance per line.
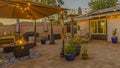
column 25, row 9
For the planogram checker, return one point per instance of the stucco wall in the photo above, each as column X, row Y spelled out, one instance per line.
column 84, row 26
column 112, row 24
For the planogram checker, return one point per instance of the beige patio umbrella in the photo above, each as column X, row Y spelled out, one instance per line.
column 20, row 9
column 25, row 9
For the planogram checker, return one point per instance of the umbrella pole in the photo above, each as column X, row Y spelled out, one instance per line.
column 52, row 40
column 18, row 28
column 63, row 41
column 35, row 37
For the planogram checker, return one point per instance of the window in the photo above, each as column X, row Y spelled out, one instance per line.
column 93, row 26
column 98, row 26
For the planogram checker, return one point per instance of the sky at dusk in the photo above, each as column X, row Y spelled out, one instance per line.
column 74, row 4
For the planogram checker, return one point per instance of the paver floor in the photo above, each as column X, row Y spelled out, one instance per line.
column 102, row 54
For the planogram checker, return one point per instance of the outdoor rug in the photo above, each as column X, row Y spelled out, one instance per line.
column 10, row 58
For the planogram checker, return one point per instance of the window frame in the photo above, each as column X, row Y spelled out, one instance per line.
column 97, row 21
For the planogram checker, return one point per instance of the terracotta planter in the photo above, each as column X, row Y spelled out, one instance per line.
column 84, row 56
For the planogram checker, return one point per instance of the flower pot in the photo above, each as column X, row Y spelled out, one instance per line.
column 43, row 41
column 69, row 57
column 78, row 48
column 84, row 56
column 114, row 39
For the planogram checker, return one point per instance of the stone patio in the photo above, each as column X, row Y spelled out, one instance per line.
column 102, row 54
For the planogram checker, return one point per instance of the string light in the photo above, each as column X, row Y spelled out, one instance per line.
column 22, row 11
column 101, row 11
column 28, row 7
column 61, row 12
column 28, row 15
column 17, row 5
column 115, row 10
column 28, row 4
column 25, row 9
column 21, row 8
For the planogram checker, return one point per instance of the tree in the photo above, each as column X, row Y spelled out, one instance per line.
column 101, row 4
column 79, row 11
column 48, row 2
column 60, row 3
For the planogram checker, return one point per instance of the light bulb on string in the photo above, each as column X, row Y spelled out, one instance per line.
column 28, row 4
column 115, row 10
column 28, row 15
column 101, row 11
column 25, row 9
column 21, row 8
column 22, row 11
column 17, row 5
column 28, row 7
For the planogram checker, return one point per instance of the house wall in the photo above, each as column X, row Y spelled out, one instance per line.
column 84, row 26
column 113, row 23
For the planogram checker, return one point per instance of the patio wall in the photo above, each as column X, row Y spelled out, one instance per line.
column 40, row 29
column 7, row 29
column 25, row 28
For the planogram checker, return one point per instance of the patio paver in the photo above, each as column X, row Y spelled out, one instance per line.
column 102, row 54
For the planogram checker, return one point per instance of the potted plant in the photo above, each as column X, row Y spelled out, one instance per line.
column 114, row 37
column 77, row 42
column 69, row 52
column 84, row 53
column 2, row 59
column 43, row 39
